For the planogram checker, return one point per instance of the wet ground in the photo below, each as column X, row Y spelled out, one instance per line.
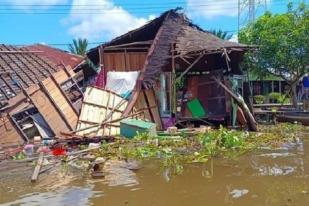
column 266, row 177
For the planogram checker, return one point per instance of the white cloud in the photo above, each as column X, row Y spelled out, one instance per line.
column 106, row 21
column 212, row 8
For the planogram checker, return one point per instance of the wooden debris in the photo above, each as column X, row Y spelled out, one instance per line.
column 37, row 168
column 241, row 103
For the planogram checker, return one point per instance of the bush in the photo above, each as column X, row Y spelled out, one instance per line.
column 279, row 98
column 259, row 99
column 274, row 96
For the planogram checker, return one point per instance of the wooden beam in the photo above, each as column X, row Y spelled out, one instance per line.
column 141, row 75
column 18, row 129
column 72, row 78
column 190, row 67
column 241, row 103
column 37, row 168
column 104, row 107
column 127, row 48
column 64, row 94
column 60, row 112
column 173, row 89
column 130, row 44
column 183, row 59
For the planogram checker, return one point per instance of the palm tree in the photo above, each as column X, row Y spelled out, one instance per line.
column 79, row 46
column 221, row 34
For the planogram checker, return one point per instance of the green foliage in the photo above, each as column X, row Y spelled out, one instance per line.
column 282, row 42
column 180, row 83
column 259, row 99
column 278, row 97
column 274, row 95
column 221, row 34
column 19, row 156
column 174, row 153
column 79, row 46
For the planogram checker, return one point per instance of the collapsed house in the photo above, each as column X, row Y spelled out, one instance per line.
column 177, row 62
column 39, row 96
column 166, row 72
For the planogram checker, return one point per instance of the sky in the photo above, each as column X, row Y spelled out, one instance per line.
column 57, row 22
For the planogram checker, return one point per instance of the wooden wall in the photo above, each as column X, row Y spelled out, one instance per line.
column 8, row 134
column 124, row 61
column 147, row 102
column 51, row 103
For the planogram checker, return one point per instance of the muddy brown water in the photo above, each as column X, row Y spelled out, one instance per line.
column 268, row 177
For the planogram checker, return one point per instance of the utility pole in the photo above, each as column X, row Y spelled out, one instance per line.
column 251, row 10
column 247, row 10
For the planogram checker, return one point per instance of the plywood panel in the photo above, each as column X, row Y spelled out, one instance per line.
column 96, row 107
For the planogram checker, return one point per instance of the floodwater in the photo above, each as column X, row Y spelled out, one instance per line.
column 269, row 177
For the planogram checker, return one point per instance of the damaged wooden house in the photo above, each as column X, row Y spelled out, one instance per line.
column 176, row 62
column 40, row 92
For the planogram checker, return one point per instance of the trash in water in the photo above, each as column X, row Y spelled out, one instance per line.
column 236, row 193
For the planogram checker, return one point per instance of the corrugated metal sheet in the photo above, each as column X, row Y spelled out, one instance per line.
column 96, row 108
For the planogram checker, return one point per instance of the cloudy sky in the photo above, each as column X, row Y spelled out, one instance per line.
column 58, row 21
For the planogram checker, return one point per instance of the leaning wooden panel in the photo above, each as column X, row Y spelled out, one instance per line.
column 61, row 76
column 49, row 112
column 100, row 105
column 8, row 133
column 62, row 103
column 153, row 105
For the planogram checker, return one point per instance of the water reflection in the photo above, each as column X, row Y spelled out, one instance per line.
column 286, row 160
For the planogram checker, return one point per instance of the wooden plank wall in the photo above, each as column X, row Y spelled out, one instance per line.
column 8, row 134
column 61, row 101
column 49, row 112
column 96, row 107
column 58, row 113
column 124, row 61
column 53, row 106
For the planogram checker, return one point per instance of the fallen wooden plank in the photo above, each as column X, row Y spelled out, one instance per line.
column 37, row 168
column 241, row 103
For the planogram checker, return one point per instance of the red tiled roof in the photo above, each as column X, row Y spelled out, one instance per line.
column 57, row 55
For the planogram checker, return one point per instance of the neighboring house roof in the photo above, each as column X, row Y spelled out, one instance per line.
column 267, row 77
column 57, row 55
column 21, row 66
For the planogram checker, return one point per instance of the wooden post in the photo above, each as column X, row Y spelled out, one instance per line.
column 173, row 84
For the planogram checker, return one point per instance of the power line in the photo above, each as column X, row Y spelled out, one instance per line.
column 108, row 11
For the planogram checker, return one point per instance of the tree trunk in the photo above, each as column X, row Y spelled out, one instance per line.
column 294, row 95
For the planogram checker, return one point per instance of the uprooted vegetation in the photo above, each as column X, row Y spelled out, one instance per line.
column 176, row 151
